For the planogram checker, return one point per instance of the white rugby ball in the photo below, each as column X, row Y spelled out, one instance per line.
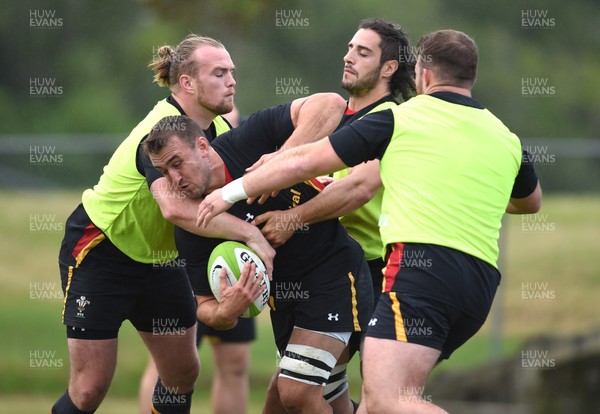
column 232, row 255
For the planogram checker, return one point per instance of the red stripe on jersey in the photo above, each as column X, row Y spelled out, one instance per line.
column 316, row 183
column 349, row 111
column 89, row 234
column 392, row 266
column 228, row 177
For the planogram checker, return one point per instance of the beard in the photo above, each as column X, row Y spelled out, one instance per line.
column 360, row 87
column 221, row 108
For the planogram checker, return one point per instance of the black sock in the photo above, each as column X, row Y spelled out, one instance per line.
column 168, row 401
column 64, row 405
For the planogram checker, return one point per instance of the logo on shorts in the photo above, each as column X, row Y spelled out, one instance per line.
column 373, row 322
column 249, row 217
column 82, row 302
column 332, row 317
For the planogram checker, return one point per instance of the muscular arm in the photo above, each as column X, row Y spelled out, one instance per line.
column 337, row 199
column 293, row 166
column 364, row 140
column 343, row 196
column 181, row 211
column 209, row 313
column 285, row 169
column 315, row 117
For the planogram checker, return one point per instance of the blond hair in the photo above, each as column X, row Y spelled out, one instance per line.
column 169, row 64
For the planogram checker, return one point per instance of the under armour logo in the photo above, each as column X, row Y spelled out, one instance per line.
column 332, row 317
column 372, row 322
column 249, row 217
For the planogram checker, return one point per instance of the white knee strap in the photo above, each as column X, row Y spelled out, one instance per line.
column 306, row 364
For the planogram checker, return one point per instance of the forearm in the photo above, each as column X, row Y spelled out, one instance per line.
column 181, row 211
column 337, row 199
column 211, row 313
column 284, row 170
column 225, row 226
column 291, row 167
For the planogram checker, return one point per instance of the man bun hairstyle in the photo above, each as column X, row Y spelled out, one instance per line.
column 161, row 65
column 170, row 63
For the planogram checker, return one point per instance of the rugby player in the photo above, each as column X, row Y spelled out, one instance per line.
column 321, row 289
column 212, row 100
column 378, row 68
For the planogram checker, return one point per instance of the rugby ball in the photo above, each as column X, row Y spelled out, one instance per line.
column 232, row 256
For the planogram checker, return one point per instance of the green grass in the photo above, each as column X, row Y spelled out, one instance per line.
column 562, row 254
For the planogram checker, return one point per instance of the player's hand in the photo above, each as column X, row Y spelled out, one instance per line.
column 263, row 249
column 262, row 198
column 237, row 298
column 325, row 180
column 276, row 229
column 212, row 205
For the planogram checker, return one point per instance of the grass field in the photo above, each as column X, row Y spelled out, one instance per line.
column 551, row 282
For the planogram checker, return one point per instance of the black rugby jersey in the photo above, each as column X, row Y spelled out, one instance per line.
column 325, row 246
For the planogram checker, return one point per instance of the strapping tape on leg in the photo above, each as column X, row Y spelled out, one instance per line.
column 336, row 384
column 306, row 364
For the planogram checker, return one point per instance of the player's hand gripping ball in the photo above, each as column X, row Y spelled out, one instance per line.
column 232, row 256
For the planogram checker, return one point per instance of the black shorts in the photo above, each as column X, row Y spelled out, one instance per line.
column 103, row 287
column 244, row 331
column 433, row 296
column 376, row 267
column 341, row 306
